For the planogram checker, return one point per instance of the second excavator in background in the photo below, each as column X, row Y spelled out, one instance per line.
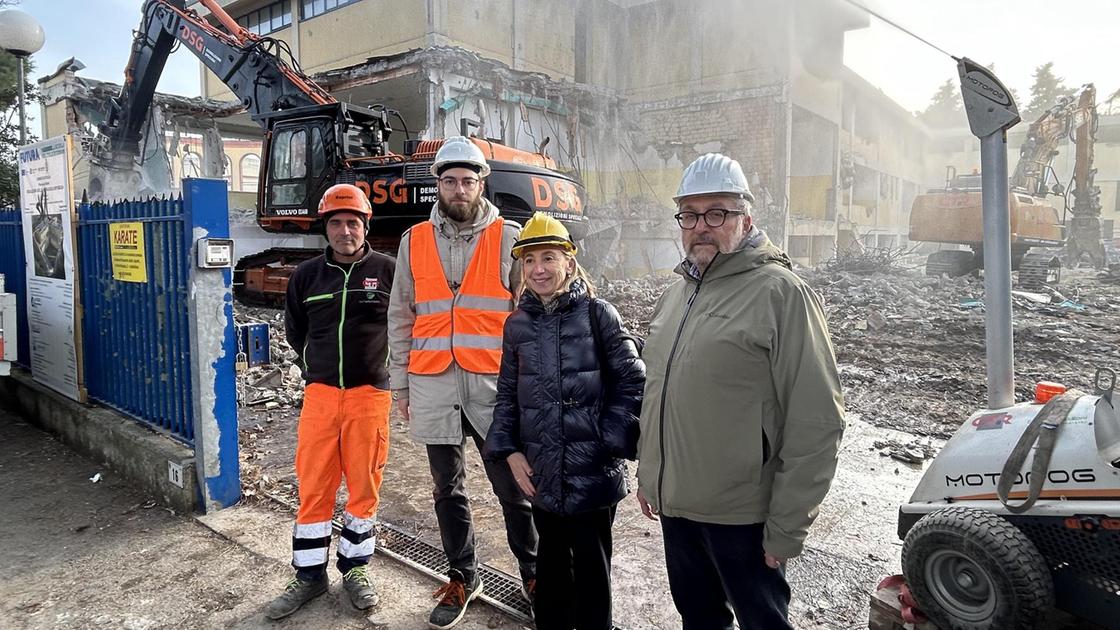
column 953, row 215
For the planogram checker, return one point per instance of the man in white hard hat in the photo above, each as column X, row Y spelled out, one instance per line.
column 737, row 460
column 452, row 293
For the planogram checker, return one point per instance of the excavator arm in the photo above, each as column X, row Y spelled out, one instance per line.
column 250, row 65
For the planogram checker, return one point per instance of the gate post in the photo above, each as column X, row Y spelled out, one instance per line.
column 213, row 346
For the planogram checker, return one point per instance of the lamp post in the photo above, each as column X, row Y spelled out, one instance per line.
column 22, row 35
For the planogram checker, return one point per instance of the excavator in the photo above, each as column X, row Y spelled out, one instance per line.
column 953, row 214
column 311, row 142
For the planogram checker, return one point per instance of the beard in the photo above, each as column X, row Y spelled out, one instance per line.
column 460, row 210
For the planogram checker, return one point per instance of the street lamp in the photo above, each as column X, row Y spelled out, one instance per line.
column 21, row 35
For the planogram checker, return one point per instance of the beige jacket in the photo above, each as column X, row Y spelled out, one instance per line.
column 435, row 401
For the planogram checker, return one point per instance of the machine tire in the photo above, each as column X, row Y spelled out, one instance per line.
column 1000, row 580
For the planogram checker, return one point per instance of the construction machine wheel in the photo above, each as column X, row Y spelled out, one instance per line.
column 1039, row 269
column 973, row 570
column 953, row 262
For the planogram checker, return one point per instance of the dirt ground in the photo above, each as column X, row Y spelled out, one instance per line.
column 911, row 356
column 84, row 554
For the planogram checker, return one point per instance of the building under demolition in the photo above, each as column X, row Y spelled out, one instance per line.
column 622, row 92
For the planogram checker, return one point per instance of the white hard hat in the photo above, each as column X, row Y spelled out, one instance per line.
column 460, row 150
column 712, row 174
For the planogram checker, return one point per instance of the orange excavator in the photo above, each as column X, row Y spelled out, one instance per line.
column 312, row 141
column 953, row 214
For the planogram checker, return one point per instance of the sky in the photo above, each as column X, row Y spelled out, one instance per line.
column 1017, row 35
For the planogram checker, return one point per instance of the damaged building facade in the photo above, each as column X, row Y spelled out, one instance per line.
column 623, row 92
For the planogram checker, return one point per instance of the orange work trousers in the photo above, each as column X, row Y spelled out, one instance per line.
column 341, row 432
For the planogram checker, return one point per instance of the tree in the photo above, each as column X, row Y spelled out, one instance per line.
column 945, row 109
column 9, row 124
column 1048, row 88
column 9, row 120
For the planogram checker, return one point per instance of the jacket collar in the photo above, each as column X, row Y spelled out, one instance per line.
column 329, row 254
column 754, row 251
column 576, row 293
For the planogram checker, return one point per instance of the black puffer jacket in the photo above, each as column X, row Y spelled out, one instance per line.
column 554, row 406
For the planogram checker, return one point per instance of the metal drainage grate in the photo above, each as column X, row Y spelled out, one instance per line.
column 502, row 591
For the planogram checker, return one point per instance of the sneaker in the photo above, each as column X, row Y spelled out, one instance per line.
column 360, row 588
column 453, row 599
column 297, row 593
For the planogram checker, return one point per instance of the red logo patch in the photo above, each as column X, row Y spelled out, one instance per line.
column 991, row 421
column 369, row 284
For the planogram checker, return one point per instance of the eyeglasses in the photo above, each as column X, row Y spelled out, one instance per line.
column 714, row 217
column 450, row 183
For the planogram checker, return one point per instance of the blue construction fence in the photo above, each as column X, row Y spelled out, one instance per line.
column 136, row 335
column 13, row 264
column 158, row 341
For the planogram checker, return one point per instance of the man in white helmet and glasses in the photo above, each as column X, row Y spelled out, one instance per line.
column 452, row 293
column 742, row 415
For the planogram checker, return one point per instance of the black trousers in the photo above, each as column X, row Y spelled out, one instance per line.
column 715, row 570
column 453, row 510
column 574, row 570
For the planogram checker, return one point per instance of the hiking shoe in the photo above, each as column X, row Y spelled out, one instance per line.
column 453, row 599
column 359, row 587
column 297, row 593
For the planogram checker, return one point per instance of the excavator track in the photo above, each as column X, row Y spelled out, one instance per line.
column 1039, row 269
column 262, row 279
column 952, row 262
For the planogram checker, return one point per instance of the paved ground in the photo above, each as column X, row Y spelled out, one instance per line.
column 79, row 554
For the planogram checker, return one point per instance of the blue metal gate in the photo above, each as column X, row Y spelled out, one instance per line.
column 136, row 334
column 13, row 265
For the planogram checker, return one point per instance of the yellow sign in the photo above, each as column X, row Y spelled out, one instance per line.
column 126, row 248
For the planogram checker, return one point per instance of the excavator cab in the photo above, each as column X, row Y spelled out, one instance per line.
column 305, row 150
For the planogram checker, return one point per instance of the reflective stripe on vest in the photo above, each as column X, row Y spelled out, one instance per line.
column 466, row 328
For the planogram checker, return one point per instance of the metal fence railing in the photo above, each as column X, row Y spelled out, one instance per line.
column 13, row 266
column 136, row 335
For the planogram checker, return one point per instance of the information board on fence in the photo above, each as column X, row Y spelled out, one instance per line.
column 126, row 249
column 45, row 177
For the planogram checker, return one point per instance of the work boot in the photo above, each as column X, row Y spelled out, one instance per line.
column 297, row 593
column 359, row 587
column 453, row 599
column 529, row 592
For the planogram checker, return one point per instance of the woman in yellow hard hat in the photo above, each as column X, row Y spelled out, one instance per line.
column 569, row 392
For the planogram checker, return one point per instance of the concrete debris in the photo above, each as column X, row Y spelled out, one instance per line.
column 275, row 386
column 635, row 298
column 911, row 348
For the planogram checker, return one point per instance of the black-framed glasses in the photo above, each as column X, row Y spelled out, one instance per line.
column 450, row 183
column 714, row 217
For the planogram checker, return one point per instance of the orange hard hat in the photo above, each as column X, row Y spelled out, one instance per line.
column 345, row 197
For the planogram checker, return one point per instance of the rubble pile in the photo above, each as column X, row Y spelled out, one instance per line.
column 635, row 298
column 275, row 386
column 910, row 348
column 867, row 260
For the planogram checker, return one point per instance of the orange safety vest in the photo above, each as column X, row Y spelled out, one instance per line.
column 467, row 327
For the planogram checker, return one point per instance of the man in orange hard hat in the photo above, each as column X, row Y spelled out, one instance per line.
column 335, row 319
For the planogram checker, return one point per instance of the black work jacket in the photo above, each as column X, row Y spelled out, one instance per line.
column 335, row 319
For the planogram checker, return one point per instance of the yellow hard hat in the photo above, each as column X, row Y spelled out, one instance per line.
column 543, row 229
